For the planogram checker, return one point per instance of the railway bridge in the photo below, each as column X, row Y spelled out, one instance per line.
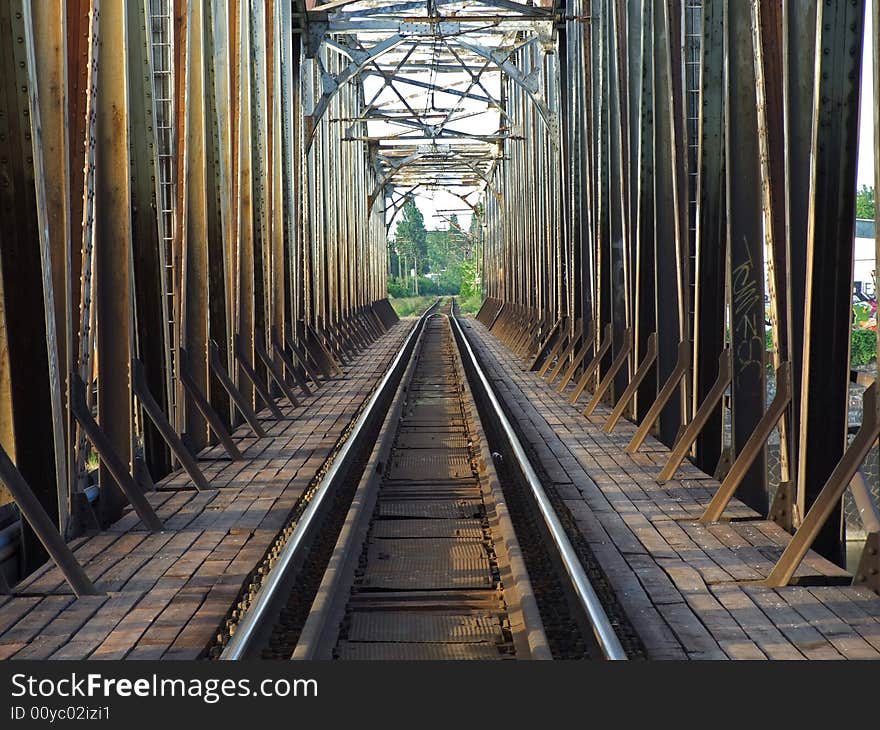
column 218, row 440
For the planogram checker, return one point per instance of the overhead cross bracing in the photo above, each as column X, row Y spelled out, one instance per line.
column 434, row 77
column 195, row 199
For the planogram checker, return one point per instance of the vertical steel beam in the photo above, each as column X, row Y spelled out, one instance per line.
column 601, row 23
column 47, row 66
column 669, row 291
column 193, row 226
column 589, row 264
column 275, row 40
column 7, row 431
column 618, row 242
column 875, row 14
column 799, row 73
column 711, row 230
column 225, row 67
column 260, row 155
column 83, row 18
column 646, row 280
column 769, row 70
column 634, row 71
column 767, row 29
column 113, row 251
column 244, row 239
column 36, row 438
column 681, row 170
column 80, row 22
column 293, row 171
column 179, row 163
column 217, row 197
column 830, row 230
column 150, row 342
column 165, row 32
column 745, row 234
column 569, row 187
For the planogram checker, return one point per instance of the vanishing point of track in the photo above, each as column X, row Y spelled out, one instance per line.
column 408, row 548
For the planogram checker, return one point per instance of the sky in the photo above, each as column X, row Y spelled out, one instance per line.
column 866, row 125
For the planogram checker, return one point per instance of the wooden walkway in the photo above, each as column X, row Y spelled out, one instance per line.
column 168, row 593
column 683, row 585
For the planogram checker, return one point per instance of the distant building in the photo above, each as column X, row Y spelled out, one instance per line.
column 864, row 263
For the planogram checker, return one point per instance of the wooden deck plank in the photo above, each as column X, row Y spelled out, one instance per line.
column 755, row 623
column 693, row 577
column 841, row 635
column 167, row 593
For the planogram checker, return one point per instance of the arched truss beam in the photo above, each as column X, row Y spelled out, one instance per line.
column 360, row 59
column 331, row 84
column 527, row 82
column 401, row 201
column 522, row 8
column 398, row 205
column 485, row 178
column 469, row 204
column 386, row 177
column 416, row 157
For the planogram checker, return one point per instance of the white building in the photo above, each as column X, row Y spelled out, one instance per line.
column 864, row 263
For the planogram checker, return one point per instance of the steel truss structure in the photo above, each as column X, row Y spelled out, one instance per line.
column 195, row 197
column 696, row 141
column 176, row 248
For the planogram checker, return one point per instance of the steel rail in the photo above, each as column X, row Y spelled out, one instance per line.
column 240, row 643
column 599, row 622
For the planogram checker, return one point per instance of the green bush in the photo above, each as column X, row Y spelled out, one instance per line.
column 863, row 349
column 469, row 286
column 449, row 281
column 396, row 289
column 427, row 286
column 412, row 306
column 402, row 288
column 471, row 304
column 865, row 202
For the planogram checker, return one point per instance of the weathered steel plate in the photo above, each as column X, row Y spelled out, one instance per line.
column 441, row 412
column 435, row 564
column 450, row 509
column 427, row 528
column 423, row 464
column 425, row 439
column 400, row 491
column 400, row 626
column 400, row 650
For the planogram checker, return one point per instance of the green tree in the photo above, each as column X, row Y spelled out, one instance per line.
column 458, row 239
column 410, row 236
column 469, row 284
column 438, row 248
column 865, row 202
column 472, row 275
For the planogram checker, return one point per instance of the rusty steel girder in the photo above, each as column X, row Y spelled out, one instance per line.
column 216, row 178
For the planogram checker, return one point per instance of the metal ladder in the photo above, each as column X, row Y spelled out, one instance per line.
column 692, row 29
column 162, row 44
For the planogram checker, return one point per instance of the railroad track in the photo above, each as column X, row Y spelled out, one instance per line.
column 409, row 550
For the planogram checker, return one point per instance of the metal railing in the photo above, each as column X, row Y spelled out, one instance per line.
column 242, row 642
column 583, row 588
